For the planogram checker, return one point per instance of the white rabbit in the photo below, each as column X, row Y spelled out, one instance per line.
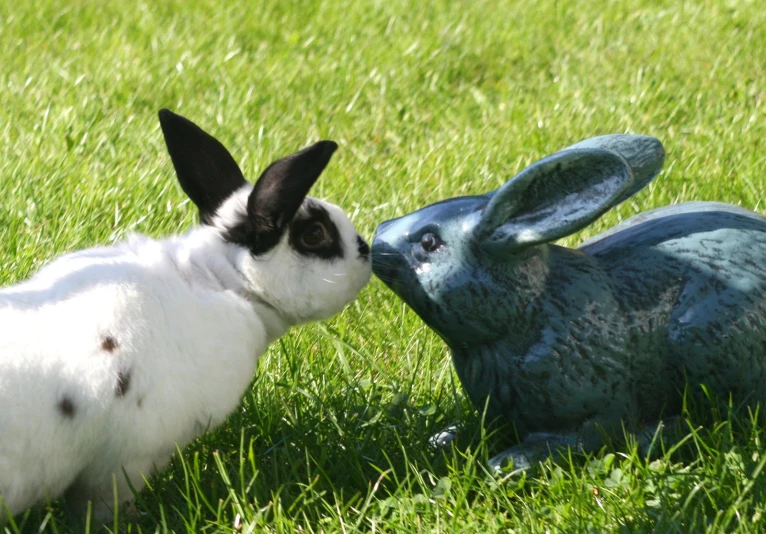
column 112, row 356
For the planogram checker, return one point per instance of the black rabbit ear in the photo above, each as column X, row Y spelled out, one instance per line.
column 205, row 169
column 553, row 198
column 280, row 191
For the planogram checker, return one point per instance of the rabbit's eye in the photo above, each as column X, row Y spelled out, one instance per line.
column 430, row 242
column 314, row 235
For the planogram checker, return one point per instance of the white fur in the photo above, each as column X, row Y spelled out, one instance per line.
column 190, row 316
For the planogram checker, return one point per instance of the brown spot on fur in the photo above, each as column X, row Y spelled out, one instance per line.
column 109, row 344
column 66, row 407
column 140, row 402
column 123, row 383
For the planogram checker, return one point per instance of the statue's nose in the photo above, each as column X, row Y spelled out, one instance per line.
column 382, row 227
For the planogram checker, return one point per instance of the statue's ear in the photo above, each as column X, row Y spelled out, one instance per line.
column 553, row 198
column 644, row 154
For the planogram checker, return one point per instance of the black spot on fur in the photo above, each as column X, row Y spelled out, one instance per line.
column 66, row 407
column 109, row 344
column 310, row 214
column 123, row 383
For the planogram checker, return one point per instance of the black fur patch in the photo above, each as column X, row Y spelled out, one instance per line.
column 123, row 383
column 66, row 407
column 309, row 214
column 244, row 234
column 277, row 196
column 362, row 247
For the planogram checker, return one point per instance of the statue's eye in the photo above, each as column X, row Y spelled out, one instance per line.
column 430, row 242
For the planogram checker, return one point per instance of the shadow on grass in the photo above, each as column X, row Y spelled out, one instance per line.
column 314, row 454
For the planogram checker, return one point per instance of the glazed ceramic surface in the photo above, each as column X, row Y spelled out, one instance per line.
column 558, row 340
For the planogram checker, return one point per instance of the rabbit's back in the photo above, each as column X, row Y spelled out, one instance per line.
column 108, row 358
column 59, row 368
column 692, row 283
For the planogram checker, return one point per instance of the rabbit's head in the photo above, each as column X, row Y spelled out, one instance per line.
column 465, row 265
column 298, row 255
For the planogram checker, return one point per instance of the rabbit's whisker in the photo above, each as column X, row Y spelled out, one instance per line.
column 387, row 279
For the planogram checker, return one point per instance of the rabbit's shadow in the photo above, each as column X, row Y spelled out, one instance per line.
column 338, row 444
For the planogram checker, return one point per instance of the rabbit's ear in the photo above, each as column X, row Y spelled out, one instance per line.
column 553, row 198
column 280, row 191
column 644, row 154
column 205, row 169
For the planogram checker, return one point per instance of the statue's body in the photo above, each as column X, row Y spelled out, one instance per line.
column 569, row 343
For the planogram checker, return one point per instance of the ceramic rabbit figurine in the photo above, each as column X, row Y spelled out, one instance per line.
column 569, row 343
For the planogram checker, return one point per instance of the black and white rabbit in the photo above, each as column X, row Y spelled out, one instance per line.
column 112, row 356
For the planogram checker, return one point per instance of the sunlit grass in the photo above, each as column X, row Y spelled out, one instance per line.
column 427, row 100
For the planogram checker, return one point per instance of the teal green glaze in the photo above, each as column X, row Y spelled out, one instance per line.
column 560, row 340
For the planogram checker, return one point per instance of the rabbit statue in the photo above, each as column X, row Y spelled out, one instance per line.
column 112, row 357
column 569, row 344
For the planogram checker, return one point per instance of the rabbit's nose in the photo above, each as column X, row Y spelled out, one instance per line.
column 362, row 247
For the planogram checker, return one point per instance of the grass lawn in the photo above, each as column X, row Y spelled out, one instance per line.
column 427, row 100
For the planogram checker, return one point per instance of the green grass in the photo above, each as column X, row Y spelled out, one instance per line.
column 427, row 100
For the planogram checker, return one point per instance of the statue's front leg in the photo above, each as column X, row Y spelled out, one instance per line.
column 653, row 437
column 536, row 447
